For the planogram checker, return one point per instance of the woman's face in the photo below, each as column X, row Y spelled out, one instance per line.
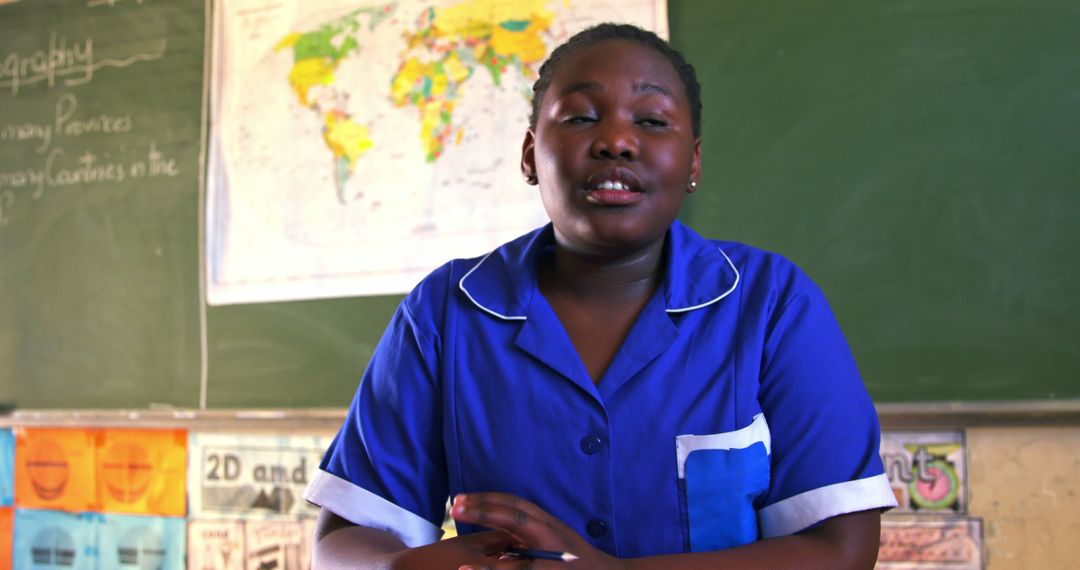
column 613, row 148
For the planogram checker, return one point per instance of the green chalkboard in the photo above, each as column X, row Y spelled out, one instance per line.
column 921, row 160
column 100, row 139
column 918, row 159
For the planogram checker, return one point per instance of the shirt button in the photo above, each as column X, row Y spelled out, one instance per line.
column 596, row 528
column 591, row 444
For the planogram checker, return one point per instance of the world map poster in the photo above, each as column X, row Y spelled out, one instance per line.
column 355, row 147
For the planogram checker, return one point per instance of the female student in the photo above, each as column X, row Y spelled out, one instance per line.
column 612, row 385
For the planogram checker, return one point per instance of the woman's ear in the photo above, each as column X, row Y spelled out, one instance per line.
column 528, row 158
column 695, row 167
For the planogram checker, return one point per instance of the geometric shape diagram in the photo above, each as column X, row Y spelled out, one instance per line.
column 142, row 471
column 51, row 539
column 215, row 545
column 275, row 545
column 7, row 468
column 129, row 542
column 126, row 471
column 253, row 477
column 141, row 548
column 48, row 468
column 7, row 533
column 52, row 548
column 54, row 469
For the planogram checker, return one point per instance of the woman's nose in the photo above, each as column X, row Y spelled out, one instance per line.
column 615, row 141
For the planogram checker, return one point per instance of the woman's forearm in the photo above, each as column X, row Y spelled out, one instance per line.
column 840, row 543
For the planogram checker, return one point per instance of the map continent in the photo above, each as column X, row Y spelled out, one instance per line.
column 357, row 146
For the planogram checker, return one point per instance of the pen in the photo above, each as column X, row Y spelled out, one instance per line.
column 541, row 554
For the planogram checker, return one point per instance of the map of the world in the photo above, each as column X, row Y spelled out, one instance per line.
column 357, row 146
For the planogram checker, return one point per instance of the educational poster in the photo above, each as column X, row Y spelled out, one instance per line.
column 276, row 544
column 308, row 527
column 215, row 545
column 141, row 542
column 927, row 470
column 7, row 468
column 356, row 146
column 51, row 539
column 252, row 476
column 142, row 471
column 54, row 469
column 7, row 534
column 927, row 543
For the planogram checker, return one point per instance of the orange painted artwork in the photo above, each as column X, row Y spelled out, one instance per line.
column 142, row 472
column 54, row 469
column 7, row 534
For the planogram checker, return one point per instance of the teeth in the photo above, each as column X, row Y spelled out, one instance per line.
column 612, row 185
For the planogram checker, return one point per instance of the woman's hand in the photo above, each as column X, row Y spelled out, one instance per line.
column 531, row 527
column 476, row 549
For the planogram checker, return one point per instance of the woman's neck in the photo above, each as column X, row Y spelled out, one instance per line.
column 603, row 279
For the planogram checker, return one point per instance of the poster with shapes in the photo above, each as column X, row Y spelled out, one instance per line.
column 252, row 476
column 141, row 542
column 7, row 533
column 309, row 538
column 919, row 542
column 927, row 470
column 215, row 545
column 142, row 471
column 53, row 539
column 54, row 469
column 7, row 467
column 275, row 544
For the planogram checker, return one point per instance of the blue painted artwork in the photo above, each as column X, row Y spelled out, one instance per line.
column 132, row 542
column 52, row 539
column 7, row 468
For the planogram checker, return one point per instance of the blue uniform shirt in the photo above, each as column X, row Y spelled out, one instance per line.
column 732, row 412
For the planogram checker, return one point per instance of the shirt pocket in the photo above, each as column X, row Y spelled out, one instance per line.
column 721, row 476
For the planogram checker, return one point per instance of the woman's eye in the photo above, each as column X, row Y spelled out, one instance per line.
column 652, row 122
column 580, row 119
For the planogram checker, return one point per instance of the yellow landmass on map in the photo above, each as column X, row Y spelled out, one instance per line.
column 346, row 138
column 308, row 73
column 463, row 20
column 526, row 44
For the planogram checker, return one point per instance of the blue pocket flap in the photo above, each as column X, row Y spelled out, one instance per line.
column 721, row 485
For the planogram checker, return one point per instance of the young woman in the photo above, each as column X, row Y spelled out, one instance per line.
column 612, row 385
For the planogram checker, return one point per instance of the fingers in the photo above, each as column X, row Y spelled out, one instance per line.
column 524, row 520
column 490, row 543
column 514, row 564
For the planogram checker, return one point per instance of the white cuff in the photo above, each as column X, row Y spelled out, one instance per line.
column 805, row 509
column 362, row 507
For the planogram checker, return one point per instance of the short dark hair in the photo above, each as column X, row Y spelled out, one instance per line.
column 627, row 32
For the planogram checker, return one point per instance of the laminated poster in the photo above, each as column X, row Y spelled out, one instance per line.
column 252, row 476
column 216, row 545
column 927, row 470
column 142, row 471
column 7, row 533
column 275, row 544
column 52, row 539
column 930, row 543
column 7, row 468
column 54, row 469
column 141, row 542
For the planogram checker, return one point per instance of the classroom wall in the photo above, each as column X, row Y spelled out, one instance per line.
column 1023, row 482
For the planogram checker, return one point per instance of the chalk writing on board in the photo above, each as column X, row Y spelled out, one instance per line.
column 63, row 58
column 65, row 123
column 109, row 3
column 62, row 168
column 7, row 200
